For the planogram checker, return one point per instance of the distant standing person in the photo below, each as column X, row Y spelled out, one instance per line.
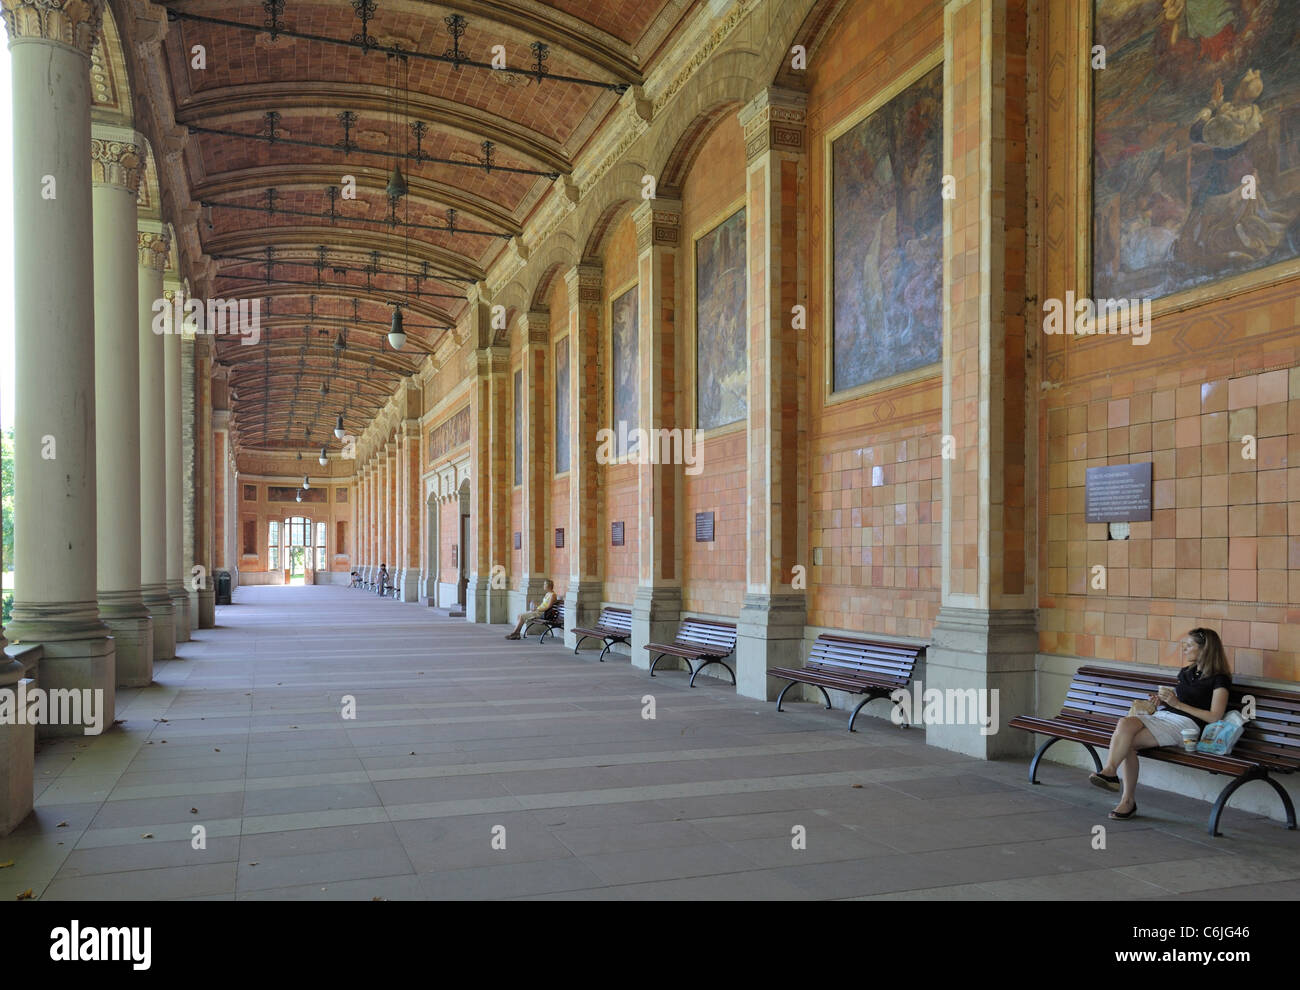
column 383, row 578
column 544, row 606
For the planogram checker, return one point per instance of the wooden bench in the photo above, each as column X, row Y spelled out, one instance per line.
column 1099, row 697
column 857, row 666
column 698, row 639
column 552, row 619
column 613, row 626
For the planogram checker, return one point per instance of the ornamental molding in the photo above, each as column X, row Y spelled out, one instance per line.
column 154, row 248
column 658, row 224
column 585, row 283
column 116, row 162
column 74, row 23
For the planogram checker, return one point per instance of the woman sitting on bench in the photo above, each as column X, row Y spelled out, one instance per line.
column 544, row 606
column 1200, row 697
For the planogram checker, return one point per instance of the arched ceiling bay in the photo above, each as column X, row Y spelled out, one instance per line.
column 296, row 114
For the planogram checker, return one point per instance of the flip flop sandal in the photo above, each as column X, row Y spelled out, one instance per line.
column 1123, row 816
column 1104, row 782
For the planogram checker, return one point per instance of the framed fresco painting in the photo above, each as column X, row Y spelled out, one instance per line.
column 625, row 368
column 1195, row 148
column 883, row 259
column 562, row 447
column 721, row 312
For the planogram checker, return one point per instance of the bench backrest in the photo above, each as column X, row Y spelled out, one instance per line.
column 616, row 618
column 1102, row 696
column 706, row 635
column 885, row 661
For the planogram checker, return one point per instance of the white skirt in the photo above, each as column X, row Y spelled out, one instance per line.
column 1167, row 726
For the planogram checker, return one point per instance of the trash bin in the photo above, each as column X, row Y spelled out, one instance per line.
column 223, row 588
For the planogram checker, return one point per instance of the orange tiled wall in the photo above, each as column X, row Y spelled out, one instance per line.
column 1223, row 546
column 516, row 526
column 448, row 536
column 559, row 567
column 621, row 505
column 713, row 574
column 875, row 508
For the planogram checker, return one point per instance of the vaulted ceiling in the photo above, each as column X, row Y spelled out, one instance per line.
column 277, row 121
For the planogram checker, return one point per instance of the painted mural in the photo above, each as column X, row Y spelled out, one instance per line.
column 624, row 326
column 1196, row 142
column 721, row 351
column 562, row 405
column 887, row 238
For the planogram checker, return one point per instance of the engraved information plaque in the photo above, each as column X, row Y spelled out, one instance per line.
column 1118, row 493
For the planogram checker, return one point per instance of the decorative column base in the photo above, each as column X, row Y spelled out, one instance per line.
column 17, row 755
column 207, row 607
column 133, row 636
column 159, row 604
column 769, row 633
column 986, row 659
column 656, row 612
column 582, row 608
column 78, row 654
column 480, row 597
column 410, row 588
column 180, row 611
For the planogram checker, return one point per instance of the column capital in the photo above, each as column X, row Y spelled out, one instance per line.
column 585, row 282
column 536, row 326
column 116, row 158
column 658, row 223
column 775, row 120
column 154, row 247
column 74, row 23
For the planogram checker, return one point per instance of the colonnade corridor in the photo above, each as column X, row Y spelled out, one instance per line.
column 481, row 768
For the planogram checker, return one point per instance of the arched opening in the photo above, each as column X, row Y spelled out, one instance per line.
column 432, row 513
column 461, row 550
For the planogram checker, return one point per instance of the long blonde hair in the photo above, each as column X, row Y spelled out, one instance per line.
column 1211, row 660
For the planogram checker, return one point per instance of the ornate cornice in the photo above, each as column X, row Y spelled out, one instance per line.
column 775, row 120
column 537, row 327
column 116, row 163
column 700, row 50
column 153, row 248
column 74, row 23
column 658, row 223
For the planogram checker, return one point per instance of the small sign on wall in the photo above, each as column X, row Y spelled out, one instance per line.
column 616, row 534
column 704, row 527
column 559, row 539
column 518, row 539
column 1118, row 493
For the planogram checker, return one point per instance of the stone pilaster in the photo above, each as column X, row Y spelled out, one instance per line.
column 985, row 635
column 537, row 459
column 205, row 510
column 410, row 441
column 487, row 598
column 54, row 424
column 585, row 284
column 189, row 478
column 116, row 165
column 173, row 471
column 656, row 610
column 772, row 617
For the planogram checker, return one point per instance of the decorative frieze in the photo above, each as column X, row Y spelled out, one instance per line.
column 585, row 283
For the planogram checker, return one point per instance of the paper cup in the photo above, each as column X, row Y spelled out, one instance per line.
column 1189, row 739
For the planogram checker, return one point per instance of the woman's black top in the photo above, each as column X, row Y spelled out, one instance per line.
column 1198, row 691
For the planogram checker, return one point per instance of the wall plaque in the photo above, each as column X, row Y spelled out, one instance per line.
column 704, row 527
column 1118, row 493
column 616, row 534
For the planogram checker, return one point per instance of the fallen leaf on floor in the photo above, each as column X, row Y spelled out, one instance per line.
column 119, row 721
column 61, row 825
column 857, row 787
column 26, row 895
column 164, row 742
column 379, row 898
column 146, row 835
column 194, row 811
column 215, row 750
column 254, row 864
column 412, row 752
column 160, row 720
column 6, row 864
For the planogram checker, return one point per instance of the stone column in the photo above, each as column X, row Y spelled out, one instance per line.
column 657, row 608
column 410, row 440
column 392, row 508
column 359, row 521
column 487, row 600
column 372, row 562
column 154, row 245
column 220, row 479
column 771, row 623
column 205, row 552
column 54, row 422
column 538, row 462
column 585, row 284
column 116, row 164
column 174, row 474
column 985, row 637
column 189, row 479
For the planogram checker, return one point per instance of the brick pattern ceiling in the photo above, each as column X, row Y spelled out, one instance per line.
column 327, row 252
